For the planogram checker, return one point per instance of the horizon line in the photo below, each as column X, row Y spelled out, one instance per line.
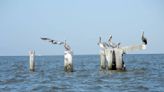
column 86, row 54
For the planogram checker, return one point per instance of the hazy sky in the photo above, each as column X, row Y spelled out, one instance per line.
column 81, row 22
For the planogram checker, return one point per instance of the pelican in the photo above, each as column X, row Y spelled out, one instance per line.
column 66, row 46
column 118, row 45
column 111, row 44
column 49, row 40
column 68, row 56
column 53, row 41
column 144, row 40
column 103, row 45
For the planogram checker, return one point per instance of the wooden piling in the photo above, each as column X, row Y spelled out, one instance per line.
column 32, row 60
column 68, row 64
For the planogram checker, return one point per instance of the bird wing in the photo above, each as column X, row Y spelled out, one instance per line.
column 44, row 38
column 59, row 42
column 133, row 48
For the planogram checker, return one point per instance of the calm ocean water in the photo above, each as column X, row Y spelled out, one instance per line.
column 145, row 73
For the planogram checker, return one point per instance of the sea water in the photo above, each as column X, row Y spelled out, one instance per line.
column 145, row 73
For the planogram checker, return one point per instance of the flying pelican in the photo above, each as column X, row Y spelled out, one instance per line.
column 144, row 40
column 53, row 41
column 47, row 39
column 103, row 45
column 111, row 44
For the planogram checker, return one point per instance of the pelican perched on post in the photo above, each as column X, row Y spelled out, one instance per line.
column 144, row 40
column 103, row 45
column 66, row 46
column 68, row 64
column 111, row 44
column 68, row 54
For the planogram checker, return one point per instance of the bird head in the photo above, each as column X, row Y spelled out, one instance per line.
column 99, row 39
column 110, row 37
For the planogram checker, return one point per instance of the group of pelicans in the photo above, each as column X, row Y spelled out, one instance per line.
column 68, row 65
column 104, row 45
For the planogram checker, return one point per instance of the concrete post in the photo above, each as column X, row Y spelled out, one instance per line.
column 119, row 59
column 102, row 60
column 32, row 60
column 114, row 58
column 68, row 64
column 108, row 56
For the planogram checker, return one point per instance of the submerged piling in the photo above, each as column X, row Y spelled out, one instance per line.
column 32, row 60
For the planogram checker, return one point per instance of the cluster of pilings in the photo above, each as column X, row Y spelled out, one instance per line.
column 111, row 54
column 112, row 59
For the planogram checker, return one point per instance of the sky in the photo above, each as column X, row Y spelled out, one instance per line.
column 80, row 22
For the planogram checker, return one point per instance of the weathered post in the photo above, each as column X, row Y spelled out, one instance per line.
column 102, row 46
column 68, row 65
column 102, row 60
column 119, row 59
column 32, row 60
column 108, row 56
